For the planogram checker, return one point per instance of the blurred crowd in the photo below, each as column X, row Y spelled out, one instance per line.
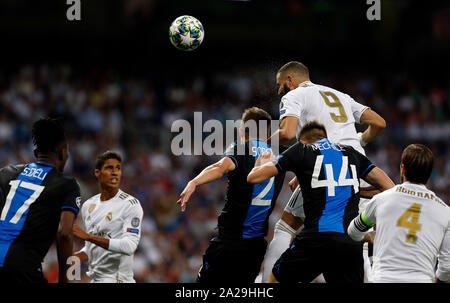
column 109, row 110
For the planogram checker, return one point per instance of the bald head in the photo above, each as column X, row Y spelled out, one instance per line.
column 290, row 75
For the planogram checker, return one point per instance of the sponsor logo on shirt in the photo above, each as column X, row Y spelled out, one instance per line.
column 133, row 230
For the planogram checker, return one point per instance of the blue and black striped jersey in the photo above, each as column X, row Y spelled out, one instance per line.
column 329, row 176
column 32, row 197
column 247, row 206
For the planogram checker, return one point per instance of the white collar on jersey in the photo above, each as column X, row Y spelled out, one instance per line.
column 306, row 83
column 414, row 184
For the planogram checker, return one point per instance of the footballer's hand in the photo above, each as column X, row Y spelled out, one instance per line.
column 369, row 237
column 186, row 194
column 264, row 158
column 293, row 184
column 80, row 233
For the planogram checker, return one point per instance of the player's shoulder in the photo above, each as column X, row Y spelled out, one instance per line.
column 90, row 200
column 12, row 169
column 129, row 200
column 66, row 183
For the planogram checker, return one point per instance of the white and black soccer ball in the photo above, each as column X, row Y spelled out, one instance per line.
column 186, row 33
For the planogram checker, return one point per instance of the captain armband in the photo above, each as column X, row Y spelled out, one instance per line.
column 362, row 224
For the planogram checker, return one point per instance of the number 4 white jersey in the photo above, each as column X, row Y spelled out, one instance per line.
column 412, row 230
column 118, row 219
column 334, row 109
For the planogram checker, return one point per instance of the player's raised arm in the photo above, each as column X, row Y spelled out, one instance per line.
column 287, row 131
column 64, row 243
column 211, row 173
column 264, row 169
column 376, row 125
column 379, row 179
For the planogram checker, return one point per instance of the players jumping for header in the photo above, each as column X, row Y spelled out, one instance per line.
column 413, row 225
column 302, row 102
column 113, row 223
column 329, row 179
column 237, row 252
column 35, row 199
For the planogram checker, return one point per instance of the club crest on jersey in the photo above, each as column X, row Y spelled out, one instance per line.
column 109, row 216
column 91, row 207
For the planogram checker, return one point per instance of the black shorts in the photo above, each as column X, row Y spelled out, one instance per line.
column 14, row 276
column 336, row 256
column 236, row 261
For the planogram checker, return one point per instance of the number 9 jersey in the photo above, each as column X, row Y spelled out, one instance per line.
column 32, row 197
column 332, row 108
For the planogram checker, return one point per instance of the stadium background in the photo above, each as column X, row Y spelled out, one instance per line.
column 118, row 83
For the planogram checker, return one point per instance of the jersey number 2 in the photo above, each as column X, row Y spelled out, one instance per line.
column 413, row 212
column 329, row 176
column 37, row 190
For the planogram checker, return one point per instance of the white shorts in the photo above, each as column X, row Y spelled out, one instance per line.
column 295, row 204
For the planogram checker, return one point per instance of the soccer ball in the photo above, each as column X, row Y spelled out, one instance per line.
column 186, row 33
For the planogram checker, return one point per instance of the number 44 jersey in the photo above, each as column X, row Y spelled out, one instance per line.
column 329, row 180
column 32, row 198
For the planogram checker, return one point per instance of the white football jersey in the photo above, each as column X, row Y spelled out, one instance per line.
column 412, row 230
column 332, row 108
column 117, row 218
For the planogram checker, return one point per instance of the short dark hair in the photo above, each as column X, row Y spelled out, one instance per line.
column 313, row 131
column 255, row 114
column 101, row 159
column 418, row 162
column 294, row 67
column 48, row 135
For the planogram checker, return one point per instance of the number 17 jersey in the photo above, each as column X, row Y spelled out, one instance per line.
column 32, row 198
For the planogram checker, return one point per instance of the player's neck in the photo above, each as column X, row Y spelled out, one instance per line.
column 47, row 160
column 107, row 193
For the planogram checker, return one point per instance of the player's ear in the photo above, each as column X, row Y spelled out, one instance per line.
column 96, row 172
column 35, row 152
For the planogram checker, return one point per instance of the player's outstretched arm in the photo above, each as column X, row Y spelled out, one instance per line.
column 376, row 125
column 264, row 169
column 209, row 174
column 378, row 178
column 81, row 255
column 64, row 243
column 287, row 131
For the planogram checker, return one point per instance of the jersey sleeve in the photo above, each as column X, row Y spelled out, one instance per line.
column 291, row 105
column 236, row 153
column 290, row 159
column 72, row 198
column 357, row 109
column 364, row 164
column 443, row 270
column 132, row 223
